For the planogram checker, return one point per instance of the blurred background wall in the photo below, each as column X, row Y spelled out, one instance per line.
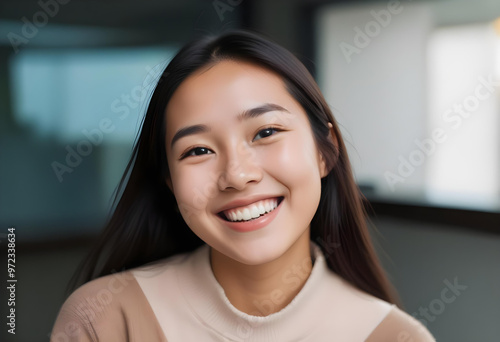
column 412, row 84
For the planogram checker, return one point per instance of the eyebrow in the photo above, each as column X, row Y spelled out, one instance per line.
column 245, row 115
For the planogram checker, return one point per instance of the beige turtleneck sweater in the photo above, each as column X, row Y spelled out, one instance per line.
column 179, row 299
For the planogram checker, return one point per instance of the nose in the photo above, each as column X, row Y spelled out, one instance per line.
column 240, row 168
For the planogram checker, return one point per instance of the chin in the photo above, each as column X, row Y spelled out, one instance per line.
column 257, row 253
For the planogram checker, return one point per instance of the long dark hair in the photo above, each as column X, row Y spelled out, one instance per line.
column 145, row 225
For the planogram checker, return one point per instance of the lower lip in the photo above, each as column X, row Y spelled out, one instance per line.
column 250, row 226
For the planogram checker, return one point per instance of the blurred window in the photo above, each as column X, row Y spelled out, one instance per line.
column 417, row 102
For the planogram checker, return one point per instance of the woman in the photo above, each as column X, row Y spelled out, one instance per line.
column 239, row 218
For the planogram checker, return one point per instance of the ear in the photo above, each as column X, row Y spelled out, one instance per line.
column 324, row 168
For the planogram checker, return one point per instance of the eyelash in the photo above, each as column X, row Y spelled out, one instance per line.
column 189, row 153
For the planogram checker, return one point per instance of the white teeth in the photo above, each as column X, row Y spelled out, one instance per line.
column 261, row 207
column 251, row 211
column 246, row 214
column 239, row 216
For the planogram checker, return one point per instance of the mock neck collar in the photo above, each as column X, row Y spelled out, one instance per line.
column 209, row 303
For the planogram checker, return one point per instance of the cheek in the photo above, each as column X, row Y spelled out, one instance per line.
column 293, row 160
column 295, row 165
column 193, row 188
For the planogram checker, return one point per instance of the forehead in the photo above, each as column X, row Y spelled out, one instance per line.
column 223, row 89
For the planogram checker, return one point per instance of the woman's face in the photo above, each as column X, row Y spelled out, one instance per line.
column 238, row 144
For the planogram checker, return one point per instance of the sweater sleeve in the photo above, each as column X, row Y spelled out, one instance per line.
column 398, row 326
column 107, row 309
column 91, row 313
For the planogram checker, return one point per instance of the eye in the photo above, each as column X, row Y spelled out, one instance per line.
column 266, row 132
column 197, row 151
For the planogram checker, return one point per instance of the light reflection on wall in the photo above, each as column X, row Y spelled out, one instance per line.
column 463, row 95
column 390, row 75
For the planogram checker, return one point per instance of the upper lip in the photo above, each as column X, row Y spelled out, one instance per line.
column 246, row 201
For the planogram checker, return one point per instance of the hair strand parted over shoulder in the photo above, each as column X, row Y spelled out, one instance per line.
column 145, row 226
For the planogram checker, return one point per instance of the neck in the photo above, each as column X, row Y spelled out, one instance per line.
column 261, row 290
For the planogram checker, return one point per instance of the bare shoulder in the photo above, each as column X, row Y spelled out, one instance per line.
column 398, row 326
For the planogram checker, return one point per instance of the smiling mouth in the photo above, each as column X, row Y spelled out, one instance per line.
column 252, row 211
